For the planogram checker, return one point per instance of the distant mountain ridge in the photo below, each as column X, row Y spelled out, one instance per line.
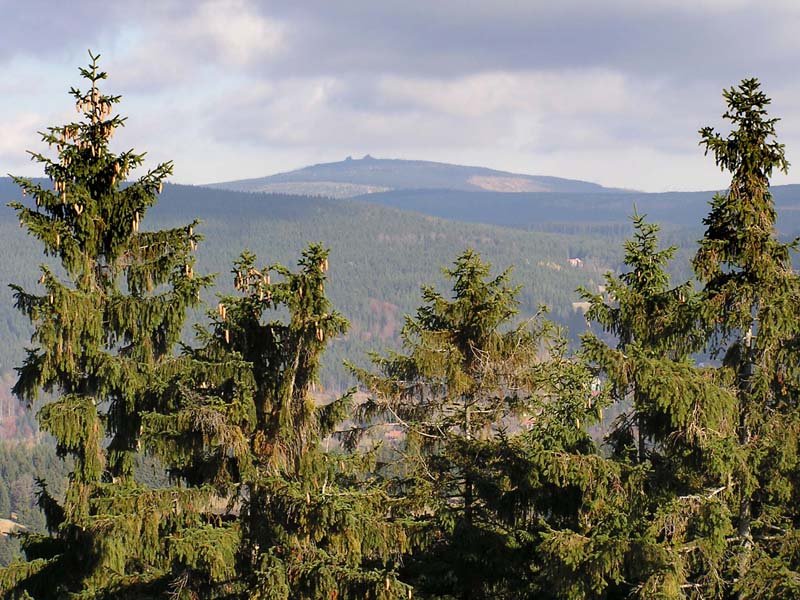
column 483, row 195
column 539, row 211
column 355, row 177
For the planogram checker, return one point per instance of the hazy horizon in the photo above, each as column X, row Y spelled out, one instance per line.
column 236, row 89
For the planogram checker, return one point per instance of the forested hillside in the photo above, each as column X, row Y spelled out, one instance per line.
column 379, row 257
column 572, row 212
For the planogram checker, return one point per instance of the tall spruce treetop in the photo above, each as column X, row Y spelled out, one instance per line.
column 671, row 442
column 100, row 332
column 105, row 326
column 717, row 512
column 244, row 418
column 649, row 319
column 460, row 373
column 750, row 300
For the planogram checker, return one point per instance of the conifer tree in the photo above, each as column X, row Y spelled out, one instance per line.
column 716, row 512
column 105, row 325
column 308, row 523
column 487, row 410
column 677, row 415
column 574, row 521
column 750, row 306
column 643, row 314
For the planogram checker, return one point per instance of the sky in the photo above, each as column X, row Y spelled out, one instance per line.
column 610, row 91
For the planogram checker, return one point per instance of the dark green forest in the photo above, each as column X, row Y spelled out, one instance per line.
column 379, row 258
column 367, row 403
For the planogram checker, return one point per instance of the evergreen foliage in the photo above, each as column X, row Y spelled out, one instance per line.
column 105, row 326
column 381, row 254
column 716, row 515
column 672, row 403
column 301, row 522
column 750, row 307
column 488, row 410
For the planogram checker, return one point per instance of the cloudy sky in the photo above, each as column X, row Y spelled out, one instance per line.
column 611, row 91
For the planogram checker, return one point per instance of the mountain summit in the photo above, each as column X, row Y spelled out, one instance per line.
column 356, row 177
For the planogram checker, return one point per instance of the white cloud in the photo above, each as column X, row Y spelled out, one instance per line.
column 565, row 92
column 610, row 91
column 238, row 33
column 216, row 39
column 17, row 133
column 593, row 124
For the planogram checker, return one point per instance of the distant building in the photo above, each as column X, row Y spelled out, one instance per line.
column 575, row 262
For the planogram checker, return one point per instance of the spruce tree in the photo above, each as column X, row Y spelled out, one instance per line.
column 750, row 307
column 105, row 324
column 715, row 513
column 575, row 522
column 302, row 522
column 675, row 415
column 641, row 312
column 487, row 408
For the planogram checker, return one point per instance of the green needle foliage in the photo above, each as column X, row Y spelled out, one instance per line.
column 751, row 309
column 716, row 513
column 648, row 319
column 105, row 325
column 670, row 441
column 298, row 522
column 488, row 410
